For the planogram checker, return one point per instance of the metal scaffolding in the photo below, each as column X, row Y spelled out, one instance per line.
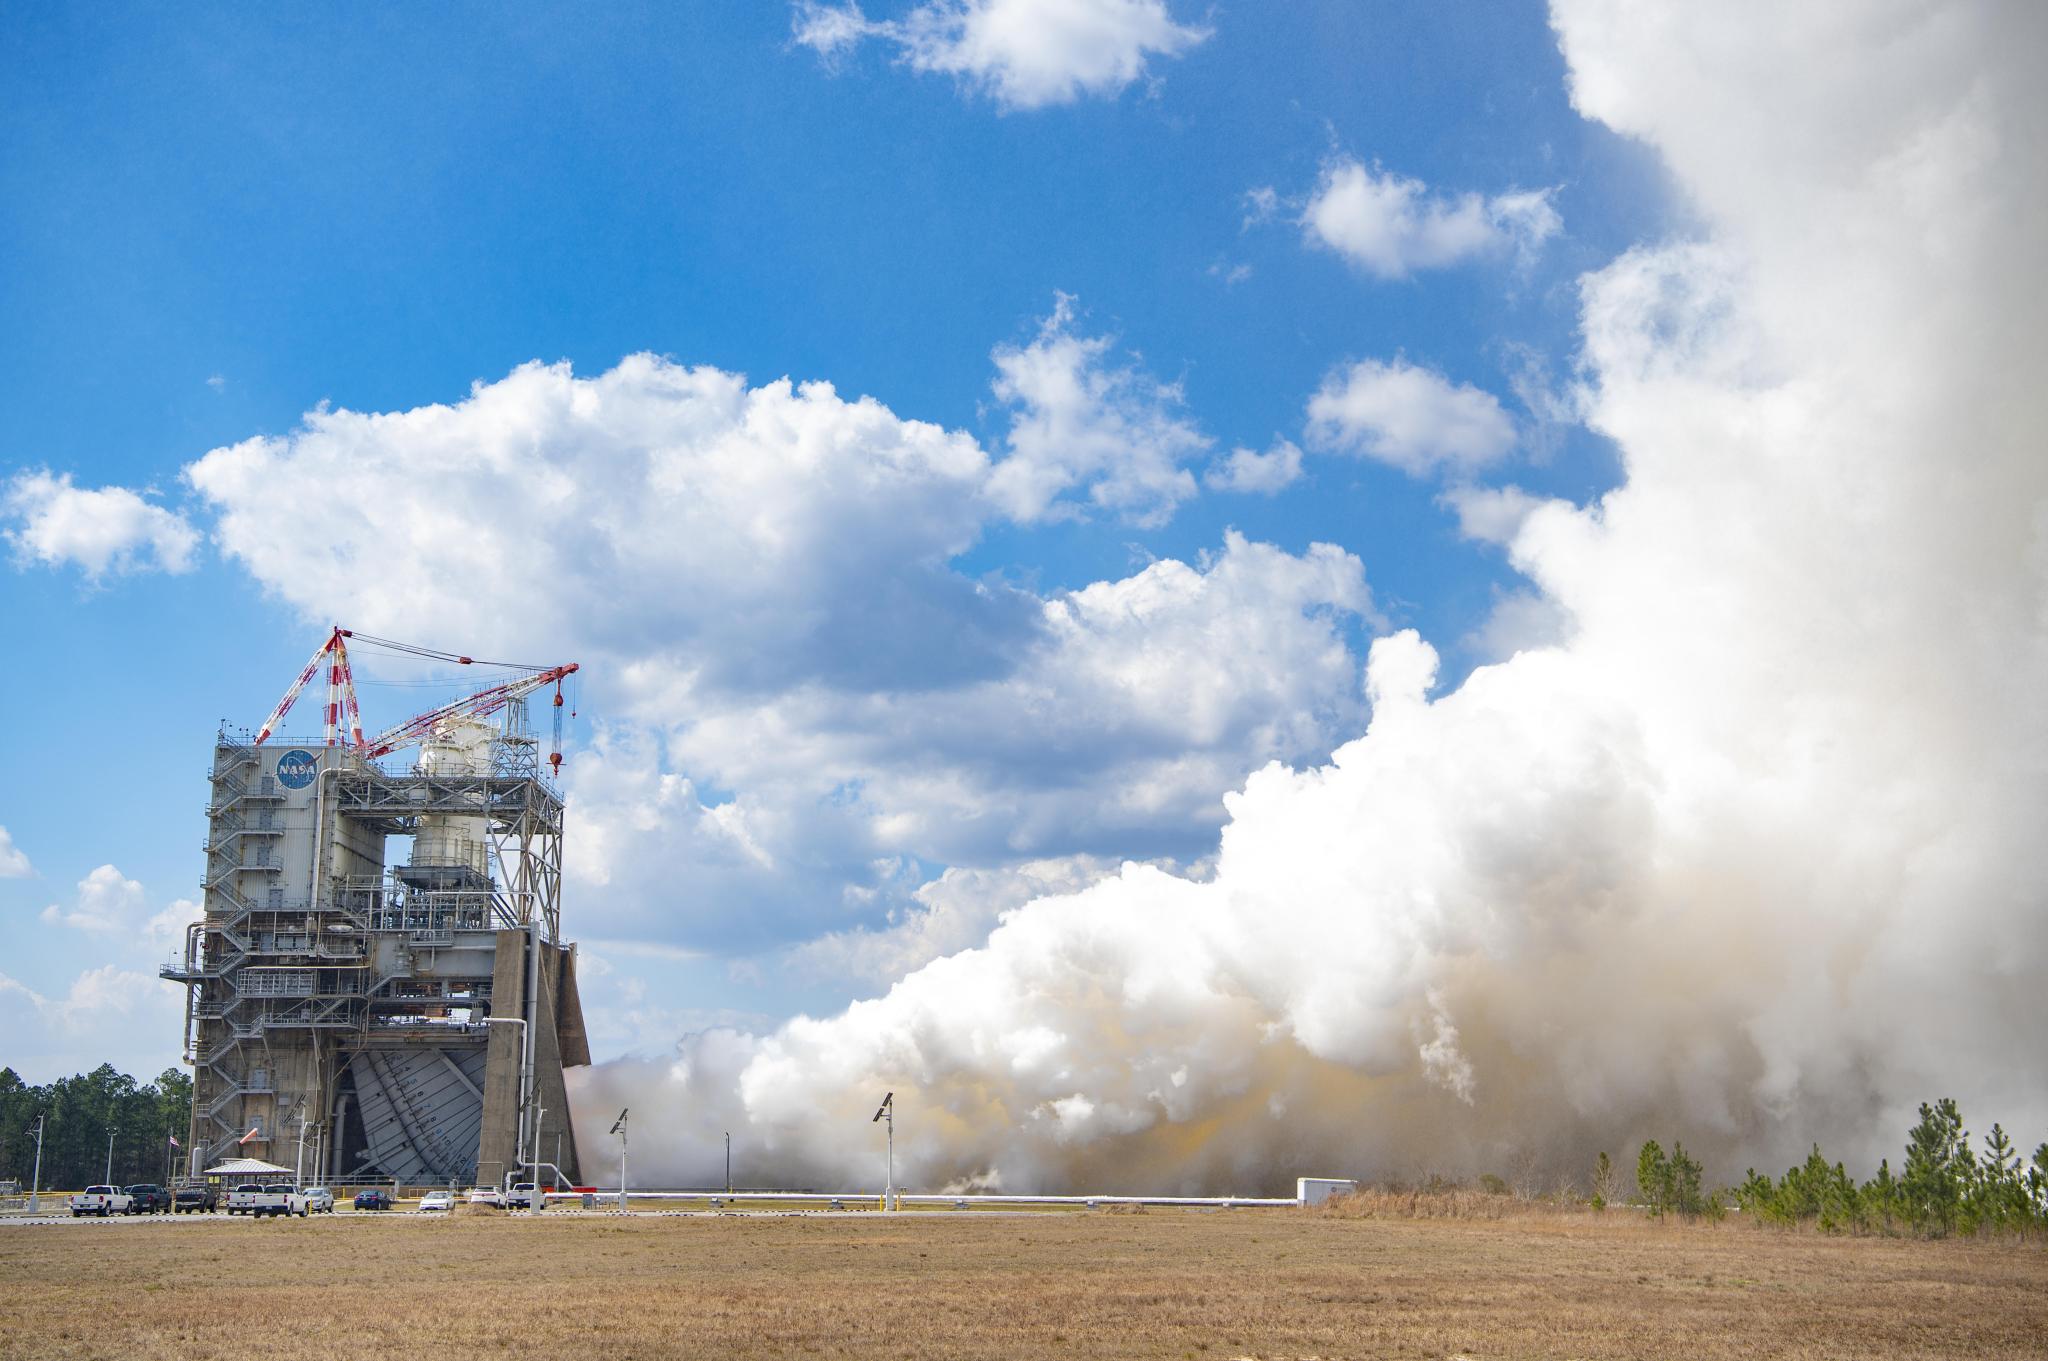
column 338, row 999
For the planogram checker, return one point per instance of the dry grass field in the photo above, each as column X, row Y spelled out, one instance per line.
column 1267, row 1284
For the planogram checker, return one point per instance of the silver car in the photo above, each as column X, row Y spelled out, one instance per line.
column 319, row 1200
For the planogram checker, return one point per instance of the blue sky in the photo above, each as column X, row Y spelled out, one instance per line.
column 215, row 223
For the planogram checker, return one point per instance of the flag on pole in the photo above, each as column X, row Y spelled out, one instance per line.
column 174, row 1141
column 254, row 1130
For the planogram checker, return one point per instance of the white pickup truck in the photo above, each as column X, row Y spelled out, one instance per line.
column 101, row 1201
column 258, row 1201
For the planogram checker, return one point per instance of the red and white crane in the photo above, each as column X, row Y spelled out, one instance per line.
column 341, row 697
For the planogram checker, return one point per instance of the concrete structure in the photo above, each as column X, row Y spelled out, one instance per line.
column 360, row 925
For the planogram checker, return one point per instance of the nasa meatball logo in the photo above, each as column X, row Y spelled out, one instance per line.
column 295, row 769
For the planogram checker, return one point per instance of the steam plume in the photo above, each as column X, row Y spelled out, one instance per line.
column 1754, row 856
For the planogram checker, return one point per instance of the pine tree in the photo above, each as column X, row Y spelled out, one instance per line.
column 1931, row 1190
column 1998, row 1194
column 1881, row 1197
column 1685, row 1194
column 1758, row 1197
column 1653, row 1177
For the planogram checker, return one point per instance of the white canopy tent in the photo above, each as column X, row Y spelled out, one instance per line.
column 245, row 1167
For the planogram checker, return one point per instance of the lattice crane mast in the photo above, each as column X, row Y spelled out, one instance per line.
column 341, row 697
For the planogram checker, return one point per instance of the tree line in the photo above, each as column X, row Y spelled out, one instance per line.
column 80, row 1114
column 1945, row 1186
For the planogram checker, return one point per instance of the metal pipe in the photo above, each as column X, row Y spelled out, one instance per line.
column 526, row 1077
column 1216, row 1202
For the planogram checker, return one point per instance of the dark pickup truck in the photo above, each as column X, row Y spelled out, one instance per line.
column 197, row 1200
column 147, row 1198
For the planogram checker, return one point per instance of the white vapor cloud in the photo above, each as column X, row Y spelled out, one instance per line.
column 98, row 530
column 13, row 861
column 1023, row 54
column 1390, row 226
column 1409, row 417
column 1751, row 858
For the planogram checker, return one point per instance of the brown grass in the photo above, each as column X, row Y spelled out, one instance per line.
column 1267, row 1284
column 1452, row 1202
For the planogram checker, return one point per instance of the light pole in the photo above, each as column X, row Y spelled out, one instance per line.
column 519, row 1155
column 35, row 1191
column 111, row 1132
column 299, row 1163
column 888, row 1113
column 728, row 1162
column 619, row 1128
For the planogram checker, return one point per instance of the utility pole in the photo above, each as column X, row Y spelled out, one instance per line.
column 888, row 1113
column 111, row 1132
column 35, row 1191
column 619, row 1128
column 728, row 1162
column 299, row 1163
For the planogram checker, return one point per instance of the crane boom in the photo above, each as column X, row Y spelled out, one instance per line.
column 479, row 705
column 341, row 691
column 342, row 706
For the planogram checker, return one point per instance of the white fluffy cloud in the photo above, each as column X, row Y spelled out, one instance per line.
column 1410, row 417
column 13, row 861
column 944, row 916
column 105, row 1015
column 109, row 903
column 1674, row 875
column 1024, row 54
column 1128, row 711
column 1263, row 474
column 804, row 700
column 1081, row 421
column 99, row 530
column 1391, row 226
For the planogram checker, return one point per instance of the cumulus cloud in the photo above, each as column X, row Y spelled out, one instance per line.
column 1390, row 226
column 101, row 530
column 1080, row 419
column 106, row 1014
column 1492, row 515
column 1681, row 874
column 1410, row 417
column 1023, row 54
column 805, row 699
column 1248, row 470
column 13, row 861
column 946, row 915
column 107, row 901
column 1135, row 705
